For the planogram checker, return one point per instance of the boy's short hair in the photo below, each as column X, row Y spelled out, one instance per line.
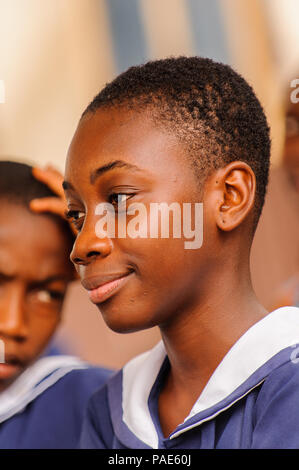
column 210, row 108
column 18, row 186
column 17, row 183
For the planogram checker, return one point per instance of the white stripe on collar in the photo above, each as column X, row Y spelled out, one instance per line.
column 275, row 332
column 139, row 376
column 34, row 381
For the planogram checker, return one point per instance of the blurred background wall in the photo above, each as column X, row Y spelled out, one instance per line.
column 55, row 55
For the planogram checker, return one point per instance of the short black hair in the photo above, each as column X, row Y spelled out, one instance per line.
column 211, row 109
column 18, row 186
column 17, row 183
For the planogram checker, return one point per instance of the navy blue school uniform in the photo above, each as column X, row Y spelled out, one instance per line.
column 44, row 407
column 250, row 401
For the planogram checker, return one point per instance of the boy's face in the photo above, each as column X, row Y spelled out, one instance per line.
column 34, row 273
column 157, row 275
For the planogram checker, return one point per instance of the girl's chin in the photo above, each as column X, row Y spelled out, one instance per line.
column 124, row 322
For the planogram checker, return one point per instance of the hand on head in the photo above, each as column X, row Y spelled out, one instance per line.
column 56, row 205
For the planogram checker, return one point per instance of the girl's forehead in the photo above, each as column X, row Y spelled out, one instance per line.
column 107, row 136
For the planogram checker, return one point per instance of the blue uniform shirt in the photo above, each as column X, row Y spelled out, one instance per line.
column 44, row 407
column 250, row 401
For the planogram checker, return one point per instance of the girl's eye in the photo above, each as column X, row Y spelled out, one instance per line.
column 119, row 198
column 75, row 215
column 76, row 218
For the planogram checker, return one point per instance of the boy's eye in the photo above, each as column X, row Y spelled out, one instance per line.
column 47, row 296
column 3, row 278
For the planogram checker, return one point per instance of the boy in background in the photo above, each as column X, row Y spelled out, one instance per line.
column 42, row 398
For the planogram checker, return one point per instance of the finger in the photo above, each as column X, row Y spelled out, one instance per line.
column 54, row 205
column 50, row 169
column 48, row 204
column 51, row 177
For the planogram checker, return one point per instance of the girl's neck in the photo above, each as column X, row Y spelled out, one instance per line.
column 197, row 340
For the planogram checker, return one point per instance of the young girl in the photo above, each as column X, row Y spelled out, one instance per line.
column 178, row 133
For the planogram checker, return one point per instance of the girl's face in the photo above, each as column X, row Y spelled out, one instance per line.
column 34, row 273
column 144, row 281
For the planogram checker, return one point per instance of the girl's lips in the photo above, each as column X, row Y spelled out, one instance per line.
column 8, row 370
column 103, row 292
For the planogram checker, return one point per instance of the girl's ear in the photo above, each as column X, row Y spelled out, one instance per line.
column 236, row 184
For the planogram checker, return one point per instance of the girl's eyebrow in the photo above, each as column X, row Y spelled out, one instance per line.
column 103, row 169
column 111, row 166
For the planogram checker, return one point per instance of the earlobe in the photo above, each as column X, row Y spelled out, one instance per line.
column 238, row 192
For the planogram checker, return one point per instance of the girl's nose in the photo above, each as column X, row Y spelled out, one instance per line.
column 88, row 246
